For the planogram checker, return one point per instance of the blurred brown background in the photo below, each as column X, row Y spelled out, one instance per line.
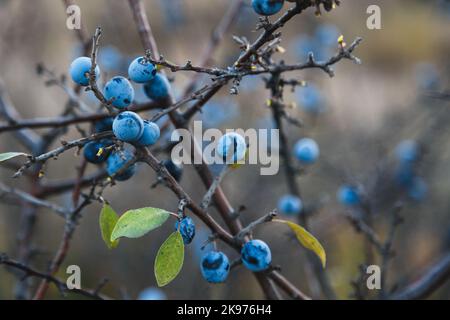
column 369, row 110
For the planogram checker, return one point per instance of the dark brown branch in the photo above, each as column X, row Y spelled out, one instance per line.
column 365, row 229
column 222, row 203
column 278, row 112
column 61, row 285
column 387, row 252
column 429, row 282
column 58, row 259
column 65, row 146
column 269, row 30
column 144, row 29
column 161, row 170
column 287, row 286
column 63, row 121
column 344, row 53
column 216, row 229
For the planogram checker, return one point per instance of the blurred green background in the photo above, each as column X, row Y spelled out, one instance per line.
column 369, row 109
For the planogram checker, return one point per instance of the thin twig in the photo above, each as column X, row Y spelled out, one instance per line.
column 58, row 259
column 212, row 189
column 65, row 146
column 249, row 228
column 28, row 198
column 61, row 285
column 92, row 76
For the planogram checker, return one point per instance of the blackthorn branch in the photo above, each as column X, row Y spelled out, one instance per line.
column 256, row 58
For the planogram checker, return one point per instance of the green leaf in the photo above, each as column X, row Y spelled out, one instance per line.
column 307, row 240
column 136, row 223
column 108, row 220
column 169, row 260
column 9, row 155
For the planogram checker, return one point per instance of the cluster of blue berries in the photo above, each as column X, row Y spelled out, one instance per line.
column 408, row 154
column 127, row 126
column 215, row 265
column 255, row 256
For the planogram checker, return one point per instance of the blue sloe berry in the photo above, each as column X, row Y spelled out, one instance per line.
column 306, row 151
column 187, row 229
column 128, row 126
column 79, row 70
column 150, row 135
column 215, row 266
column 232, row 146
column 116, row 161
column 103, row 125
column 120, row 91
column 290, row 205
column 348, row 195
column 141, row 70
column 91, row 151
column 256, row 255
column 267, row 7
column 157, row 88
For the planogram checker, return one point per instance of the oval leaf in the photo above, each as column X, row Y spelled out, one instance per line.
column 169, row 260
column 307, row 240
column 9, row 155
column 136, row 223
column 108, row 220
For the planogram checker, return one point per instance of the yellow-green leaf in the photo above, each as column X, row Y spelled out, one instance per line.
column 307, row 240
column 108, row 220
column 136, row 223
column 9, row 155
column 169, row 260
